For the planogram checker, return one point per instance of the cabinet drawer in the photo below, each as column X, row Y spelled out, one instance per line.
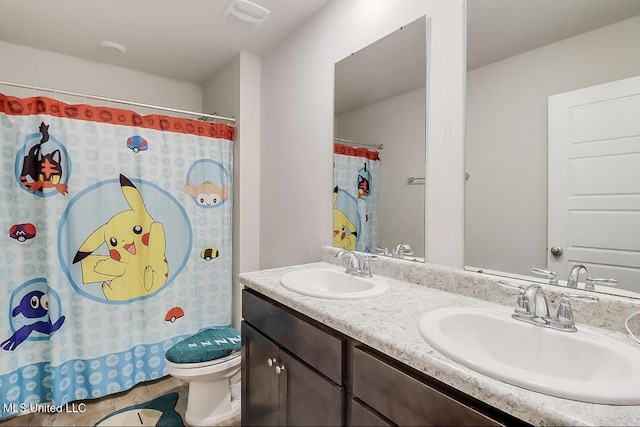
column 404, row 399
column 362, row 416
column 316, row 344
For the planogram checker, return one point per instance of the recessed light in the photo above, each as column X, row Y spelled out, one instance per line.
column 113, row 48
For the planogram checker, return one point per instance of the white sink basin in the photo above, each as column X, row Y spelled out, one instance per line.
column 581, row 365
column 333, row 283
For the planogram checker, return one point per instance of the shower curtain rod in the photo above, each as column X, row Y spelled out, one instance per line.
column 201, row 116
column 348, row 141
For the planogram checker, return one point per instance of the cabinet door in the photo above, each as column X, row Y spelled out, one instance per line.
column 259, row 381
column 306, row 398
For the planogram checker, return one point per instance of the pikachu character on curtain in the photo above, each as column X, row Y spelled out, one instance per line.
column 136, row 265
column 345, row 234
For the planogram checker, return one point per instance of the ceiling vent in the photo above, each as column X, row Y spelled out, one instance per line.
column 113, row 48
column 246, row 11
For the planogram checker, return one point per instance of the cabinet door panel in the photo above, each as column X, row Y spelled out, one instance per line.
column 259, row 381
column 309, row 399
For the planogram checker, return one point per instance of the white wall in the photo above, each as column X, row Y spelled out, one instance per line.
column 236, row 88
column 30, row 66
column 506, row 141
column 297, row 126
column 399, row 124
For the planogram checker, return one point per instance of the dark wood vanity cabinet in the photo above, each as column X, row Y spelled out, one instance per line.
column 297, row 371
column 292, row 371
column 395, row 394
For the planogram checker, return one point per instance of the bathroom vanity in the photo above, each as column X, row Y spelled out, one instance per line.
column 297, row 371
column 316, row 361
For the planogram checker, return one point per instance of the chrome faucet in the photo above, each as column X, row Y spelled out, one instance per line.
column 538, row 305
column 401, row 250
column 572, row 282
column 533, row 307
column 354, row 263
column 359, row 265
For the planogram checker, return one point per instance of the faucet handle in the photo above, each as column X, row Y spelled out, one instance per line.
column 591, row 282
column 509, row 285
column 365, row 264
column 551, row 275
column 565, row 312
column 382, row 251
column 522, row 305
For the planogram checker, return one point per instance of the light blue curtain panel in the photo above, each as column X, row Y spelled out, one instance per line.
column 117, row 244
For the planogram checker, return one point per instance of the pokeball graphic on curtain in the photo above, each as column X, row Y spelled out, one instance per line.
column 136, row 143
column 23, row 233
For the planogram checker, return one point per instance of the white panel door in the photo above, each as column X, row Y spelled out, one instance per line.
column 594, row 181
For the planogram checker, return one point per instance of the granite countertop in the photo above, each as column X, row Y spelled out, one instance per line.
column 389, row 324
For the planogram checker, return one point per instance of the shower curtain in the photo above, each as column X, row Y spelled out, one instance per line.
column 117, row 244
column 355, row 198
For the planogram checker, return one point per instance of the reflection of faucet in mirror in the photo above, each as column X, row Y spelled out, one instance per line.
column 401, row 250
column 590, row 284
column 574, row 274
column 382, row 251
column 551, row 275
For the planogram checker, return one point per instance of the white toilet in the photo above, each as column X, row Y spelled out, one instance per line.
column 214, row 385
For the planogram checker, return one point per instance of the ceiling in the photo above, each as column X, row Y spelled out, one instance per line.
column 165, row 38
column 187, row 41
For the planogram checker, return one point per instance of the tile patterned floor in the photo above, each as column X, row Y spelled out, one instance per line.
column 96, row 409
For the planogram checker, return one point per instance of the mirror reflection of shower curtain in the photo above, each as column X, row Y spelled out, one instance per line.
column 356, row 172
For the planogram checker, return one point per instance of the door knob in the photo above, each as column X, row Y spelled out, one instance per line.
column 279, row 369
column 556, row 250
column 271, row 362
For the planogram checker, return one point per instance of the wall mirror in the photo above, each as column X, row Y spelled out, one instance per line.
column 380, row 145
column 519, row 54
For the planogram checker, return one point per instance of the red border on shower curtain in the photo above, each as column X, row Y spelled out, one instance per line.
column 347, row 150
column 42, row 105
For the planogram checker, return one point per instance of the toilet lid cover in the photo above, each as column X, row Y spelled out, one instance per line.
column 205, row 346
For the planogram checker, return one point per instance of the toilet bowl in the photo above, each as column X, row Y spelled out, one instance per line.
column 214, row 387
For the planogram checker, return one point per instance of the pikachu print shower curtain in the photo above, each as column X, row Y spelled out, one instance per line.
column 355, row 198
column 117, row 244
